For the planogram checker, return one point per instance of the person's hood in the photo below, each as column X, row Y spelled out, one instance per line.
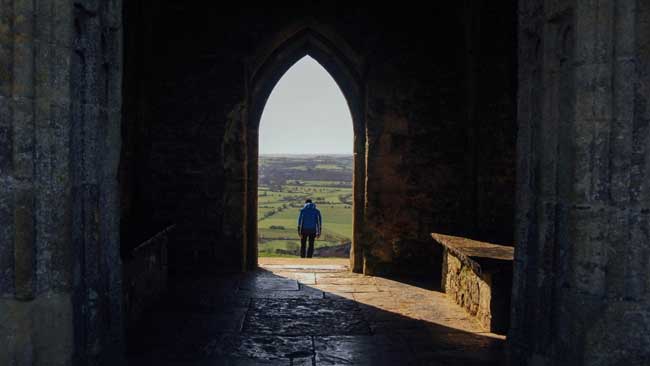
column 310, row 205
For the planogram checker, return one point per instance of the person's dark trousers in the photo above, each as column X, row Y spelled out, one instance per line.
column 304, row 236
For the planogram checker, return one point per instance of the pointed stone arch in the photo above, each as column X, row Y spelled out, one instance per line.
column 264, row 70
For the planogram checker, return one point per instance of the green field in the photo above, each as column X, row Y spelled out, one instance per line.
column 283, row 192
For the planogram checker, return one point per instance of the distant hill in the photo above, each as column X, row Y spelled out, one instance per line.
column 277, row 169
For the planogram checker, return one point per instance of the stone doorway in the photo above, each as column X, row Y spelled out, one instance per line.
column 305, row 146
column 264, row 71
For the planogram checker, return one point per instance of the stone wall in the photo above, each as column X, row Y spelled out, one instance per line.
column 139, row 217
column 491, row 61
column 435, row 83
column 60, row 97
column 581, row 268
column 66, row 206
column 418, row 72
column 440, row 158
column 467, row 288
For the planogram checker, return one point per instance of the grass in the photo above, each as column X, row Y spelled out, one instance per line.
column 278, row 214
column 276, row 247
column 336, row 218
column 321, row 183
column 329, row 167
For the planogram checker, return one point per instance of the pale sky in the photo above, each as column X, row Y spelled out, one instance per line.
column 306, row 113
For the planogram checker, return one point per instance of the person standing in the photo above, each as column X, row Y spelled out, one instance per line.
column 309, row 227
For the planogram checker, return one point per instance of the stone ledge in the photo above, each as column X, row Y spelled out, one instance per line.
column 478, row 276
column 479, row 255
column 153, row 242
column 144, row 275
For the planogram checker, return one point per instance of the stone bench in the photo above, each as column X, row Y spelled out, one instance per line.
column 144, row 275
column 478, row 276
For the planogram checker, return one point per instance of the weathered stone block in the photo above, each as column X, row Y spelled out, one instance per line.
column 25, row 235
column 593, row 98
column 23, row 138
column 37, row 332
column 54, row 18
column 478, row 276
column 7, row 232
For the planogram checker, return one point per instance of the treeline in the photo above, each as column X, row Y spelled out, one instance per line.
column 271, row 176
column 276, row 170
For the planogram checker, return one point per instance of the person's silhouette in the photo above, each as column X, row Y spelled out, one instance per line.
column 309, row 227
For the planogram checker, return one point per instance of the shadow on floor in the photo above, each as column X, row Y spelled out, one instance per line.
column 307, row 317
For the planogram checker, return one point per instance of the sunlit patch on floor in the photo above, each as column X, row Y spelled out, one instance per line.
column 311, row 312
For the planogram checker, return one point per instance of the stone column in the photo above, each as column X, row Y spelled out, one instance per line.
column 373, row 247
column 251, row 196
column 60, row 94
column 358, row 185
column 581, row 266
column 236, row 168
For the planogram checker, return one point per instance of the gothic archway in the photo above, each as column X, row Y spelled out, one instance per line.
column 264, row 71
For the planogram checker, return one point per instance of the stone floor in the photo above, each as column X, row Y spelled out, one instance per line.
column 300, row 312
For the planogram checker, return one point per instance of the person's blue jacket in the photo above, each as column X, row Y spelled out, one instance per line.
column 310, row 218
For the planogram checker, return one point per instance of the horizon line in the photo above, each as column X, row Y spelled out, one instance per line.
column 297, row 154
